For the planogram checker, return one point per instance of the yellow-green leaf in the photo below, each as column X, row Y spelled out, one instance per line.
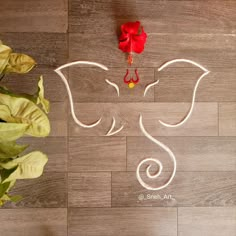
column 12, row 131
column 19, row 63
column 41, row 100
column 26, row 112
column 12, row 183
column 5, row 52
column 28, row 167
column 5, row 113
column 5, row 197
column 16, row 198
column 10, row 149
column 3, row 188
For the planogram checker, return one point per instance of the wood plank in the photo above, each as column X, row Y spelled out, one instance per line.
column 97, row 154
column 227, row 119
column 31, row 16
column 54, row 147
column 157, row 16
column 88, row 85
column 207, row 221
column 176, row 85
column 54, row 88
column 89, row 189
column 27, row 222
column 209, row 50
column 187, row 189
column 58, row 118
column 122, row 221
column 204, row 120
column 192, row 153
column 48, row 49
column 49, row 190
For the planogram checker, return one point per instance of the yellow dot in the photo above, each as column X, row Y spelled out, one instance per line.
column 131, row 85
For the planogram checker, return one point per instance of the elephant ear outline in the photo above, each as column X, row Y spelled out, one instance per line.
column 64, row 80
column 189, row 113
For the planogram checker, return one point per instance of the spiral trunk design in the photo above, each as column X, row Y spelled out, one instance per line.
column 156, row 161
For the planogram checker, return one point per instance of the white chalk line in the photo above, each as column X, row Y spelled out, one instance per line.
column 58, row 71
column 187, row 116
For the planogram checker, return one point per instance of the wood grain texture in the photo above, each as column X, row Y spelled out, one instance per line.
column 28, row 222
column 89, row 189
column 54, row 88
column 58, row 116
column 157, row 16
column 54, row 147
column 48, row 49
column 192, row 153
column 47, row 191
column 207, row 221
column 187, row 189
column 204, row 120
column 31, row 16
column 94, row 177
column 123, row 221
column 227, row 119
column 97, row 154
column 88, row 85
column 209, row 50
column 177, row 84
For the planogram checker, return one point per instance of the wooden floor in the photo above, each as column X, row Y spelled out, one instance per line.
column 89, row 187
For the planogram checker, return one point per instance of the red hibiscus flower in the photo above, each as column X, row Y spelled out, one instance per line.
column 132, row 39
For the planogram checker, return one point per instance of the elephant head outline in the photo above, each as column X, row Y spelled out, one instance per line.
column 111, row 131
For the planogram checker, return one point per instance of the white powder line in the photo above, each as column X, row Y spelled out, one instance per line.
column 114, row 85
column 112, row 126
column 58, row 71
column 187, row 116
column 115, row 132
column 163, row 146
column 182, row 60
column 110, row 133
column 149, row 86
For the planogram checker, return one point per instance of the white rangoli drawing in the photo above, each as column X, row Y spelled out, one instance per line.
column 111, row 131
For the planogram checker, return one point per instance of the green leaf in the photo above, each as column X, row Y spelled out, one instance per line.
column 40, row 94
column 12, row 131
column 5, row 113
column 26, row 112
column 3, row 188
column 11, row 149
column 16, row 198
column 5, row 52
column 6, row 198
column 28, row 167
column 37, row 98
column 19, row 63
column 5, row 174
column 12, row 183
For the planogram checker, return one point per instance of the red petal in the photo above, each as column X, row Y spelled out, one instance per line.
column 130, row 27
column 138, row 42
column 130, row 40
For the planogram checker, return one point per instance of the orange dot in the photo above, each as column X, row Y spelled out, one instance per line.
column 131, row 85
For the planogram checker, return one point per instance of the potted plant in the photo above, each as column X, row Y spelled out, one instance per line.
column 20, row 115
